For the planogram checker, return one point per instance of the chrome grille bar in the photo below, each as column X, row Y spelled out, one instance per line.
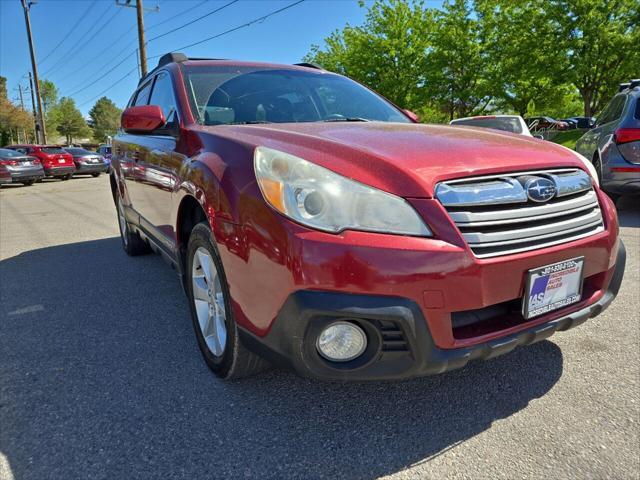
column 495, row 219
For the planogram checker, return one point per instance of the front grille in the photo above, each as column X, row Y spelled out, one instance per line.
column 496, row 217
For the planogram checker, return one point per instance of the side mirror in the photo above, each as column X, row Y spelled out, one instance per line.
column 412, row 116
column 142, row 119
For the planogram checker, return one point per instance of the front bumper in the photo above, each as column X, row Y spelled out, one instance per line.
column 58, row 171
column 90, row 168
column 401, row 344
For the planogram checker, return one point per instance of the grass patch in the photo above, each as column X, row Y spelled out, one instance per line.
column 569, row 138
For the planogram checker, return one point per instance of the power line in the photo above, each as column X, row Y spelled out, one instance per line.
column 101, row 77
column 248, row 24
column 111, row 86
column 171, row 19
column 69, row 33
column 244, row 25
column 79, row 45
column 161, row 35
column 194, row 21
column 96, row 57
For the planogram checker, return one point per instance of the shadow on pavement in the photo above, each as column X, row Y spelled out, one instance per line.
column 100, row 377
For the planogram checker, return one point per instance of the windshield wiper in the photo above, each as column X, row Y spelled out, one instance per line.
column 248, row 122
column 346, row 119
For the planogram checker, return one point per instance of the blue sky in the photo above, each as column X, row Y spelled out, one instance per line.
column 79, row 61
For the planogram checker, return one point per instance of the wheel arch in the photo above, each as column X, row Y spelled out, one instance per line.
column 190, row 213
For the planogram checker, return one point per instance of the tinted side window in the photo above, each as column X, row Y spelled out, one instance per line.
column 613, row 110
column 143, row 95
column 618, row 107
column 637, row 115
column 162, row 95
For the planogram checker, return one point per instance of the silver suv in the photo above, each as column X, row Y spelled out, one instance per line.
column 613, row 145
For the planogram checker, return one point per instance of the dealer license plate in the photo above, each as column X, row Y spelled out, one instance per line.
column 552, row 287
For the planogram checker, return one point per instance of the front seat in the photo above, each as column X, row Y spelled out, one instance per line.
column 279, row 110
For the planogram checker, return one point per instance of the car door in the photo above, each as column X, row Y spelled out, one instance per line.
column 129, row 148
column 161, row 163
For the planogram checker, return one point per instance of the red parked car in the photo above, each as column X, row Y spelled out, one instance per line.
column 56, row 162
column 318, row 226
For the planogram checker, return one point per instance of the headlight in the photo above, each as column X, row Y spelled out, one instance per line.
column 321, row 199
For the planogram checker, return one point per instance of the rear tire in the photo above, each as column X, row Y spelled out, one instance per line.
column 28, row 183
column 132, row 244
column 94, row 175
column 222, row 348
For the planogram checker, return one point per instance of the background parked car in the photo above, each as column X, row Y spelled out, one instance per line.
column 571, row 123
column 614, row 143
column 545, row 123
column 20, row 168
column 105, row 151
column 507, row 123
column 5, row 176
column 584, row 122
column 87, row 162
column 56, row 162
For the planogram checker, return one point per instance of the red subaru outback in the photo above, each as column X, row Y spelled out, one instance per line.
column 318, row 226
column 56, row 162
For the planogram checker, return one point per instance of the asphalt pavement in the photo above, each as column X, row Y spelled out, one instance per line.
column 101, row 378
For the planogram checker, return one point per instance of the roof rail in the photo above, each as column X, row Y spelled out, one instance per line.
column 309, row 65
column 634, row 83
column 623, row 86
column 172, row 57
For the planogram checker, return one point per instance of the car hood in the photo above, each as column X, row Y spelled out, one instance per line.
column 404, row 159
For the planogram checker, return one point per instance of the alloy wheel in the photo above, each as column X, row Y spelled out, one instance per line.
column 209, row 301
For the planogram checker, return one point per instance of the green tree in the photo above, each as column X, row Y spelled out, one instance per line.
column 526, row 60
column 49, row 95
column 3, row 88
column 457, row 63
column 387, row 53
column 601, row 39
column 105, row 119
column 16, row 124
column 68, row 119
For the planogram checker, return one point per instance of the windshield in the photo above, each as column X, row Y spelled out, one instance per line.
column 6, row 153
column 236, row 95
column 79, row 151
column 507, row 124
column 52, row 150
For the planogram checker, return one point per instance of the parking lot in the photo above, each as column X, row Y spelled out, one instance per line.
column 101, row 377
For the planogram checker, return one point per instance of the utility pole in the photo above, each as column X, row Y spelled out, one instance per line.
column 142, row 47
column 24, row 133
column 34, row 67
column 21, row 98
column 33, row 109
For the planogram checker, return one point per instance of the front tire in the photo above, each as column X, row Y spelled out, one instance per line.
column 94, row 175
column 211, row 313
column 28, row 183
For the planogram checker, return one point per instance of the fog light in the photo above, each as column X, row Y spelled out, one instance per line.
column 341, row 342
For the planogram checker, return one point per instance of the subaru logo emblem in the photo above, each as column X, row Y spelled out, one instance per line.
column 540, row 189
